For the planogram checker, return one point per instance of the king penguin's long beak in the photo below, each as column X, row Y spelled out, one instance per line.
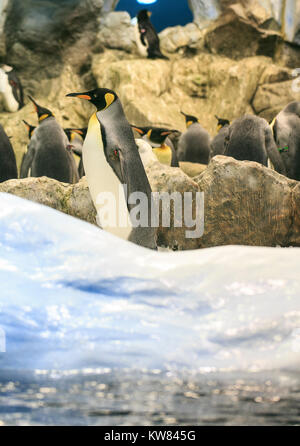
column 36, row 106
column 79, row 95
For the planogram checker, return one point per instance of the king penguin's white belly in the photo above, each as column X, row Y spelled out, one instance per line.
column 7, row 97
column 102, row 179
column 142, row 49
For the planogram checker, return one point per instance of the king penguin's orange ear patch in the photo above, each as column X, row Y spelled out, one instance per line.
column 84, row 96
column 138, row 130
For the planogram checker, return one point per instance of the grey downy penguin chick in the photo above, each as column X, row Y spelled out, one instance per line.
column 286, row 130
column 194, row 143
column 8, row 166
column 47, row 154
column 250, row 138
column 111, row 160
column 160, row 142
column 217, row 146
column 146, row 37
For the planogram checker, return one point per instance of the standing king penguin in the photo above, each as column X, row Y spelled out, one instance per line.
column 76, row 138
column 161, row 145
column 250, row 138
column 47, row 153
column 217, row 146
column 111, row 159
column 8, row 166
column 11, row 90
column 194, row 143
column 146, row 37
column 286, row 130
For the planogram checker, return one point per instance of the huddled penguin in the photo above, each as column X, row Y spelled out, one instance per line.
column 47, row 153
column 111, row 160
column 76, row 138
column 250, row 138
column 11, row 90
column 286, row 130
column 146, row 37
column 161, row 145
column 217, row 146
column 194, row 143
column 8, row 166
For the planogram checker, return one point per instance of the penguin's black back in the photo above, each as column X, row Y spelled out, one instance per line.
column 51, row 157
column 8, row 166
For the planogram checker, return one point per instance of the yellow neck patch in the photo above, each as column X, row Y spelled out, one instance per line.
column 41, row 118
column 93, row 122
column 163, row 154
column 109, row 99
column 74, row 134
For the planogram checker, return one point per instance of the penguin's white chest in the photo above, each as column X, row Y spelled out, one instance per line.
column 105, row 188
column 142, row 49
column 7, row 99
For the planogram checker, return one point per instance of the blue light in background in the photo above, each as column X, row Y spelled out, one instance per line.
column 165, row 12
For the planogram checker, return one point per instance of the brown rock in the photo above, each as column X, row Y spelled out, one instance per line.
column 271, row 98
column 245, row 204
column 172, row 179
column 154, row 91
column 288, row 55
column 72, row 199
column 236, row 36
column 192, row 169
column 181, row 37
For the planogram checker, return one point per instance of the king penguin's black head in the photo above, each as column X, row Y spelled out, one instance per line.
column 189, row 119
column 42, row 112
column 141, row 130
column 102, row 98
column 222, row 122
column 144, row 15
column 70, row 133
column 158, row 135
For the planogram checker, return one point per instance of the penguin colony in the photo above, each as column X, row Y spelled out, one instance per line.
column 110, row 156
